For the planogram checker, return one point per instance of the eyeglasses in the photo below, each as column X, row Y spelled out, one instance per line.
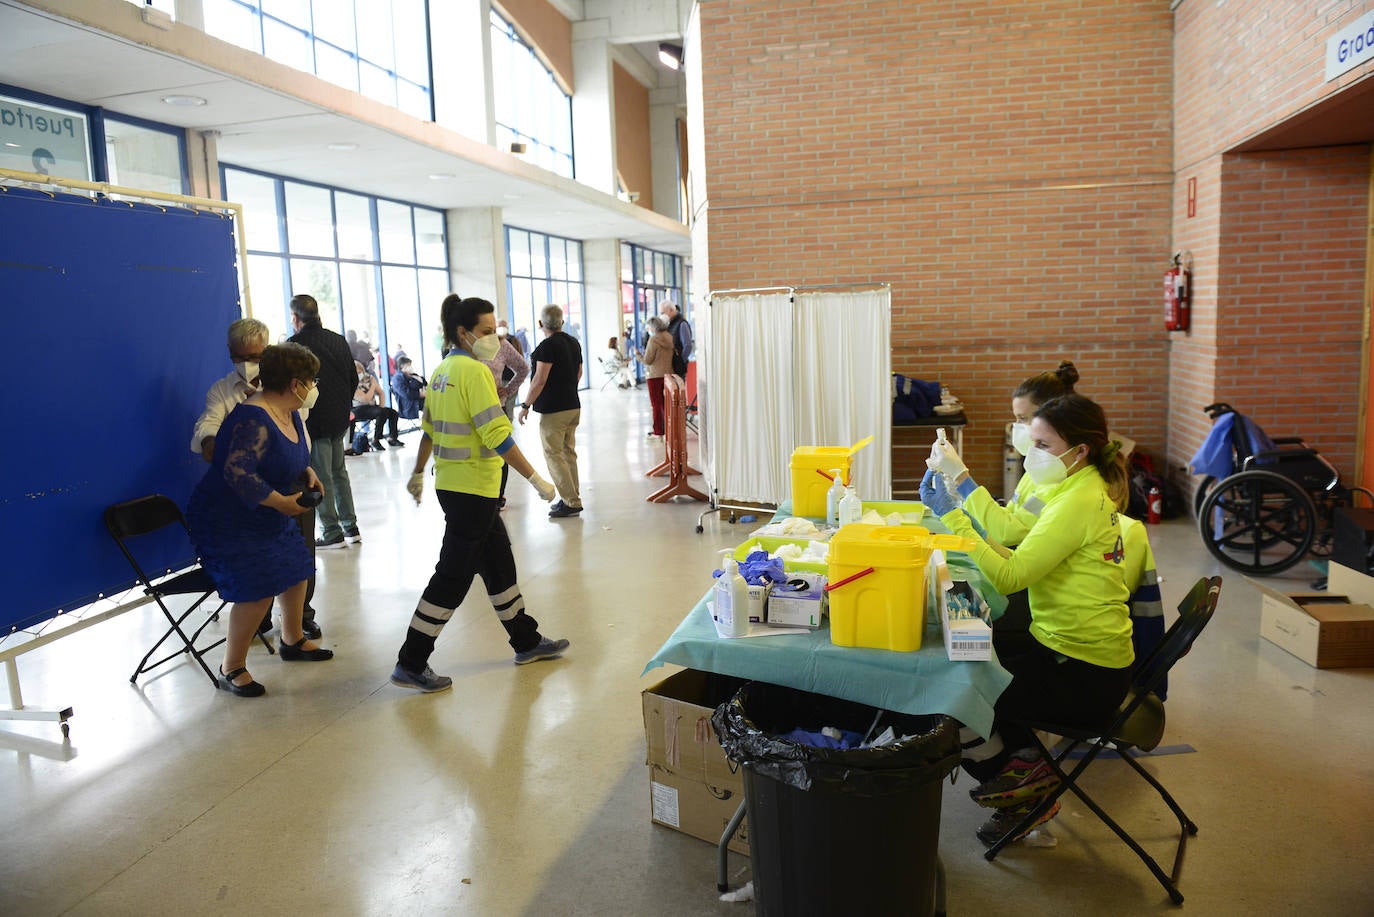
column 246, row 357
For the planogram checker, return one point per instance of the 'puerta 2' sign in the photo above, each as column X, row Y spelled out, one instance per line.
column 44, row 139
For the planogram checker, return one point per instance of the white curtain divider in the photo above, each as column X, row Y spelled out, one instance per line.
column 782, row 369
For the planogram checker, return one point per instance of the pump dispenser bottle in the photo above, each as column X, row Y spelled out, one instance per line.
column 851, row 507
column 833, row 496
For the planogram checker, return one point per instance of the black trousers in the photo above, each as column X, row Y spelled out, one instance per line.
column 379, row 414
column 1044, row 687
column 475, row 543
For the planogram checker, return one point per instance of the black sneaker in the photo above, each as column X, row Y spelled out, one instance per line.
column 330, row 544
column 563, row 511
column 353, row 537
column 394, row 442
column 378, row 447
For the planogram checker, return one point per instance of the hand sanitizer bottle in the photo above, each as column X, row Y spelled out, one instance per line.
column 730, row 595
column 851, row 507
column 833, row 496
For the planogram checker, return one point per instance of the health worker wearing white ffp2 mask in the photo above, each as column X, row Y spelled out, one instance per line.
column 1077, row 667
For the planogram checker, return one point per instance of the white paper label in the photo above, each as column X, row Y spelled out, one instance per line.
column 664, row 804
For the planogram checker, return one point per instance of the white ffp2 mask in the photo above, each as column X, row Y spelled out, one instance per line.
column 1046, row 468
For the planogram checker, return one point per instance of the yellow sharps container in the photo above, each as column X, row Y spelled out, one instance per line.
column 811, row 467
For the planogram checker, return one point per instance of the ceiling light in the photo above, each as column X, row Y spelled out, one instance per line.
column 670, row 55
column 343, row 147
column 513, row 197
column 11, row 143
column 441, row 176
column 183, row 101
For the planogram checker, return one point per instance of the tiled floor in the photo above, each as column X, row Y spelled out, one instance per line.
column 524, row 791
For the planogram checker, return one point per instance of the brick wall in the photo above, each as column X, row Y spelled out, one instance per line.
column 1278, row 239
column 1290, row 326
column 1006, row 167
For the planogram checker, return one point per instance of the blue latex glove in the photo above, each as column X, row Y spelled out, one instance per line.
column 934, row 495
column 967, row 486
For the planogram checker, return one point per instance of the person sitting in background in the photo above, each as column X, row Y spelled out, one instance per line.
column 240, row 514
column 657, row 358
column 409, row 388
column 247, row 340
column 367, row 405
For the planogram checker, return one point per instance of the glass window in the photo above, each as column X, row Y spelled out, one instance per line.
column 429, row 237
column 393, row 222
column 389, row 39
column 434, row 286
column 309, row 220
column 395, row 304
column 321, row 280
column 359, row 286
column 528, row 101
column 518, row 252
column 402, row 314
column 339, row 67
column 653, row 277
column 353, row 215
column 333, row 22
column 287, row 45
column 138, row 157
column 258, row 195
column 234, row 23
column 540, row 280
column 265, row 276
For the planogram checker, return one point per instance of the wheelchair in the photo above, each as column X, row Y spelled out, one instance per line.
column 1264, row 504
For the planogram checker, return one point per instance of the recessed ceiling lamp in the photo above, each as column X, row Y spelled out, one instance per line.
column 670, row 55
column 511, row 196
column 342, row 147
column 441, row 176
column 184, row 101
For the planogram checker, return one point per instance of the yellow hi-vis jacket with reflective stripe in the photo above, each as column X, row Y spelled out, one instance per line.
column 470, row 431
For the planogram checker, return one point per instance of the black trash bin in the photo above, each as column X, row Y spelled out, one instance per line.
column 838, row 831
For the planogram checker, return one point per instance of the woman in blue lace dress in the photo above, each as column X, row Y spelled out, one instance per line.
column 241, row 513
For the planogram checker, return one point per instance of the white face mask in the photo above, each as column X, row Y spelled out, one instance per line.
column 1020, row 437
column 309, row 401
column 485, row 348
column 1046, row 468
column 247, row 371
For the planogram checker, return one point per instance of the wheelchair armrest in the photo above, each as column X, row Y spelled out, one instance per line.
column 1289, row 441
column 1270, row 456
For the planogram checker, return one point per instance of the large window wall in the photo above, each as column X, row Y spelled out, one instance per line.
column 378, row 268
column 377, row 47
column 647, row 278
column 531, row 108
column 543, row 270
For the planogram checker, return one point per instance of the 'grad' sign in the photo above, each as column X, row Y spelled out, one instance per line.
column 1350, row 47
column 43, row 139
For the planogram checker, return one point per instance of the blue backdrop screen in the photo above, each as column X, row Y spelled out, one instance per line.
column 117, row 317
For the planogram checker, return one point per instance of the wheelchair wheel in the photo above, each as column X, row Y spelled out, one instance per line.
column 1258, row 522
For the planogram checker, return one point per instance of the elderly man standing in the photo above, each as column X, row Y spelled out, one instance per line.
column 328, row 422
column 681, row 331
column 557, row 365
column 247, row 340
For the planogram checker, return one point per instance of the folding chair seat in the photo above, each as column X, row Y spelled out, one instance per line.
column 1139, row 723
column 134, row 518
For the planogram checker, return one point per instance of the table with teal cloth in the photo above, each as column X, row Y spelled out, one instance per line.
column 925, row 681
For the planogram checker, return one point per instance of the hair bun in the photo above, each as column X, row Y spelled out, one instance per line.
column 1067, row 373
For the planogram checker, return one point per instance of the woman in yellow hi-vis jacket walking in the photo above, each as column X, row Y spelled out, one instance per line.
column 470, row 437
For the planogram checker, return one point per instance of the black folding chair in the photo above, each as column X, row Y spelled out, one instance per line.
column 1138, row 724
column 133, row 518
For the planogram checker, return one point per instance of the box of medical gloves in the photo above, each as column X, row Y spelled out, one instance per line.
column 800, row 602
column 691, row 786
column 1332, row 629
column 963, row 615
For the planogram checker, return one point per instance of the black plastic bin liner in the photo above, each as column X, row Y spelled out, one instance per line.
column 836, row 831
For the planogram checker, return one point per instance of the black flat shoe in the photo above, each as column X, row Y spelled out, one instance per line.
column 296, row 652
column 226, row 683
column 311, row 630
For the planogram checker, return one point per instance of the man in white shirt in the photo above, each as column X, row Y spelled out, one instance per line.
column 247, row 338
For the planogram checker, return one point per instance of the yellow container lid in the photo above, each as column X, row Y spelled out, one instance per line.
column 808, row 454
column 890, row 545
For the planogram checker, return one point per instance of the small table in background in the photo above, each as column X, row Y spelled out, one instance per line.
column 911, row 446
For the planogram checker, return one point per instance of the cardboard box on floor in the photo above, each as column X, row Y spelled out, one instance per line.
column 691, row 786
column 1331, row 629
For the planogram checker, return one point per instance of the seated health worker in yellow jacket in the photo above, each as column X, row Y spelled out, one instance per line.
column 1077, row 666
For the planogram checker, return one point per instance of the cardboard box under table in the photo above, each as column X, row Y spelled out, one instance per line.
column 1331, row 629
column 691, row 785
